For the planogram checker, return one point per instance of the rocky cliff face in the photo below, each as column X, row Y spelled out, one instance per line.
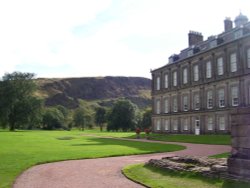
column 68, row 91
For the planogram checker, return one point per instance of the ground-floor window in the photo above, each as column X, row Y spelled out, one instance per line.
column 222, row 126
column 209, row 123
column 175, row 125
column 158, row 124
column 185, row 124
column 166, row 124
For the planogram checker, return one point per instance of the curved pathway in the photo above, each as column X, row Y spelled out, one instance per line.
column 102, row 172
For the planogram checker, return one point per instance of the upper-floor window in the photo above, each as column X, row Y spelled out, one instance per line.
column 248, row 58
column 196, row 73
column 185, row 124
column 208, row 69
column 158, row 124
column 210, row 99
column 221, row 97
column 175, row 78
column 196, row 104
column 175, row 107
column 166, row 105
column 210, row 123
column 222, row 125
column 158, row 83
column 185, row 72
column 185, row 103
column 233, row 62
column 235, row 96
column 175, row 124
column 166, row 124
column 158, row 106
column 220, row 68
column 166, row 80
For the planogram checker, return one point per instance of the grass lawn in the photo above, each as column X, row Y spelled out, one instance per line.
column 222, row 155
column 156, row 177
column 22, row 149
column 198, row 139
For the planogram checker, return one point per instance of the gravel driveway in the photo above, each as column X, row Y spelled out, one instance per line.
column 102, row 172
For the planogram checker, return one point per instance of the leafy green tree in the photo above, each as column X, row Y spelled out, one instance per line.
column 146, row 119
column 100, row 117
column 18, row 105
column 53, row 119
column 79, row 118
column 66, row 114
column 122, row 116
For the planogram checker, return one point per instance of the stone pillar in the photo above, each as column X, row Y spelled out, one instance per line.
column 239, row 161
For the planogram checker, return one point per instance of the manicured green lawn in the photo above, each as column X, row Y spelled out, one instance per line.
column 198, row 139
column 23, row 149
column 221, row 155
column 156, row 177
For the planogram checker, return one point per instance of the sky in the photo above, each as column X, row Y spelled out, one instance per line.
column 85, row 38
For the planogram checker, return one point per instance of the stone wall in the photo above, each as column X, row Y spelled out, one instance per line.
column 239, row 162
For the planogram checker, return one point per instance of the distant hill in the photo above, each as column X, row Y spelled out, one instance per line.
column 103, row 91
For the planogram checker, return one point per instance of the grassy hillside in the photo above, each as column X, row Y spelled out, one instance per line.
column 102, row 91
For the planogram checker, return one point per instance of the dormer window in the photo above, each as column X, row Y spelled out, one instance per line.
column 238, row 34
column 190, row 53
column 213, row 44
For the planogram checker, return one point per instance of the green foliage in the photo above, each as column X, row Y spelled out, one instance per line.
column 53, row 119
column 22, row 149
column 18, row 106
column 146, row 119
column 122, row 116
column 100, row 117
column 79, row 118
column 156, row 177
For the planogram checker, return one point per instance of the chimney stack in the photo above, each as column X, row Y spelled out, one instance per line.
column 228, row 24
column 194, row 38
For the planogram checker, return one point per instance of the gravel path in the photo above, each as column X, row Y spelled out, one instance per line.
column 102, row 172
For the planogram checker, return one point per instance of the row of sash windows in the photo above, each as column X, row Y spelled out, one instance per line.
column 220, row 71
column 196, row 101
column 165, row 124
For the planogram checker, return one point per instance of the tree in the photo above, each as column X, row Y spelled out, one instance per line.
column 53, row 119
column 100, row 117
column 146, row 119
column 122, row 116
column 66, row 114
column 18, row 105
column 79, row 118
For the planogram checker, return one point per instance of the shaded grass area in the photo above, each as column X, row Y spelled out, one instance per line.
column 22, row 149
column 221, row 155
column 198, row 139
column 156, row 177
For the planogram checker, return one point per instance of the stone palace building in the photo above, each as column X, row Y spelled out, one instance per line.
column 195, row 92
